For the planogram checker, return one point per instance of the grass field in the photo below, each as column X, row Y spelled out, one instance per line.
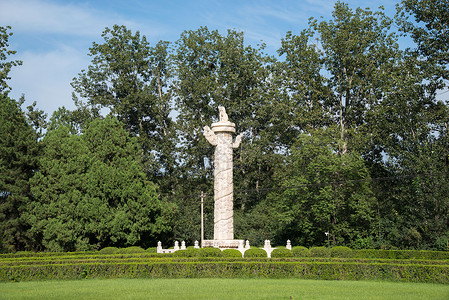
column 220, row 289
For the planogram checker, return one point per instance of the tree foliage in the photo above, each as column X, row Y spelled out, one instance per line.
column 19, row 152
column 90, row 192
column 5, row 65
column 129, row 78
column 429, row 28
column 343, row 132
column 321, row 190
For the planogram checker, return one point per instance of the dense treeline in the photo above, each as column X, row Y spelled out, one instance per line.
column 343, row 131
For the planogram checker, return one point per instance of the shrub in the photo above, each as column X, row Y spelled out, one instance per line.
column 365, row 253
column 341, row 251
column 442, row 243
column 319, row 252
column 130, row 250
column 300, row 251
column 189, row 252
column 108, row 250
column 231, row 253
column 281, row 252
column 209, row 252
column 255, row 252
column 152, row 250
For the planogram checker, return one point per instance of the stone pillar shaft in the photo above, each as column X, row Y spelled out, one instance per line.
column 223, row 187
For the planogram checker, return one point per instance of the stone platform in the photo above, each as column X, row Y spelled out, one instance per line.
column 224, row 244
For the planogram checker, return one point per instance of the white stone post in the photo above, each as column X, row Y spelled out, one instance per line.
column 241, row 246
column 267, row 248
column 183, row 245
column 289, row 245
column 176, row 248
column 196, row 245
column 220, row 136
column 159, row 247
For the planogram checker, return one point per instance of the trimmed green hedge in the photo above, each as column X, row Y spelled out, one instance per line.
column 187, row 253
column 209, row 252
column 230, row 269
column 319, row 252
column 108, row 250
column 319, row 263
column 297, row 251
column 255, row 252
column 340, row 251
column 231, row 253
column 281, row 252
column 300, row 251
column 400, row 254
column 132, row 249
column 45, row 254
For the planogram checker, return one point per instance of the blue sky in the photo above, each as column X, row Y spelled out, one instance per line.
column 52, row 37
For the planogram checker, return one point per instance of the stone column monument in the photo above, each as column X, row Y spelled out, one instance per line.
column 220, row 136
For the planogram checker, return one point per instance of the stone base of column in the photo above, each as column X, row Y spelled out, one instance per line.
column 224, row 244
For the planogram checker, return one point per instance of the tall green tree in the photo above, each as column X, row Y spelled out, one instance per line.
column 90, row 192
column 129, row 78
column 359, row 52
column 5, row 64
column 19, row 150
column 383, row 101
column 301, row 88
column 339, row 71
column 429, row 28
column 411, row 128
column 412, row 124
column 319, row 191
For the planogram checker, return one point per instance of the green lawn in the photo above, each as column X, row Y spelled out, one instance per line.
column 220, row 289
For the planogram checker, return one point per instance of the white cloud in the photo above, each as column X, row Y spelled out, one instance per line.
column 47, row 17
column 80, row 19
column 52, row 39
column 46, row 78
column 267, row 21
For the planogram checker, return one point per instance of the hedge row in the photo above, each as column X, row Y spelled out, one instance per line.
column 104, row 251
column 152, row 260
column 298, row 251
column 365, row 253
column 230, row 269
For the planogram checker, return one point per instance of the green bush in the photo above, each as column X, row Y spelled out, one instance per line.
column 209, row 252
column 365, row 253
column 231, row 253
column 189, row 252
column 281, row 252
column 341, row 251
column 255, row 252
column 319, row 252
column 300, row 251
column 130, row 250
column 108, row 250
column 152, row 250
